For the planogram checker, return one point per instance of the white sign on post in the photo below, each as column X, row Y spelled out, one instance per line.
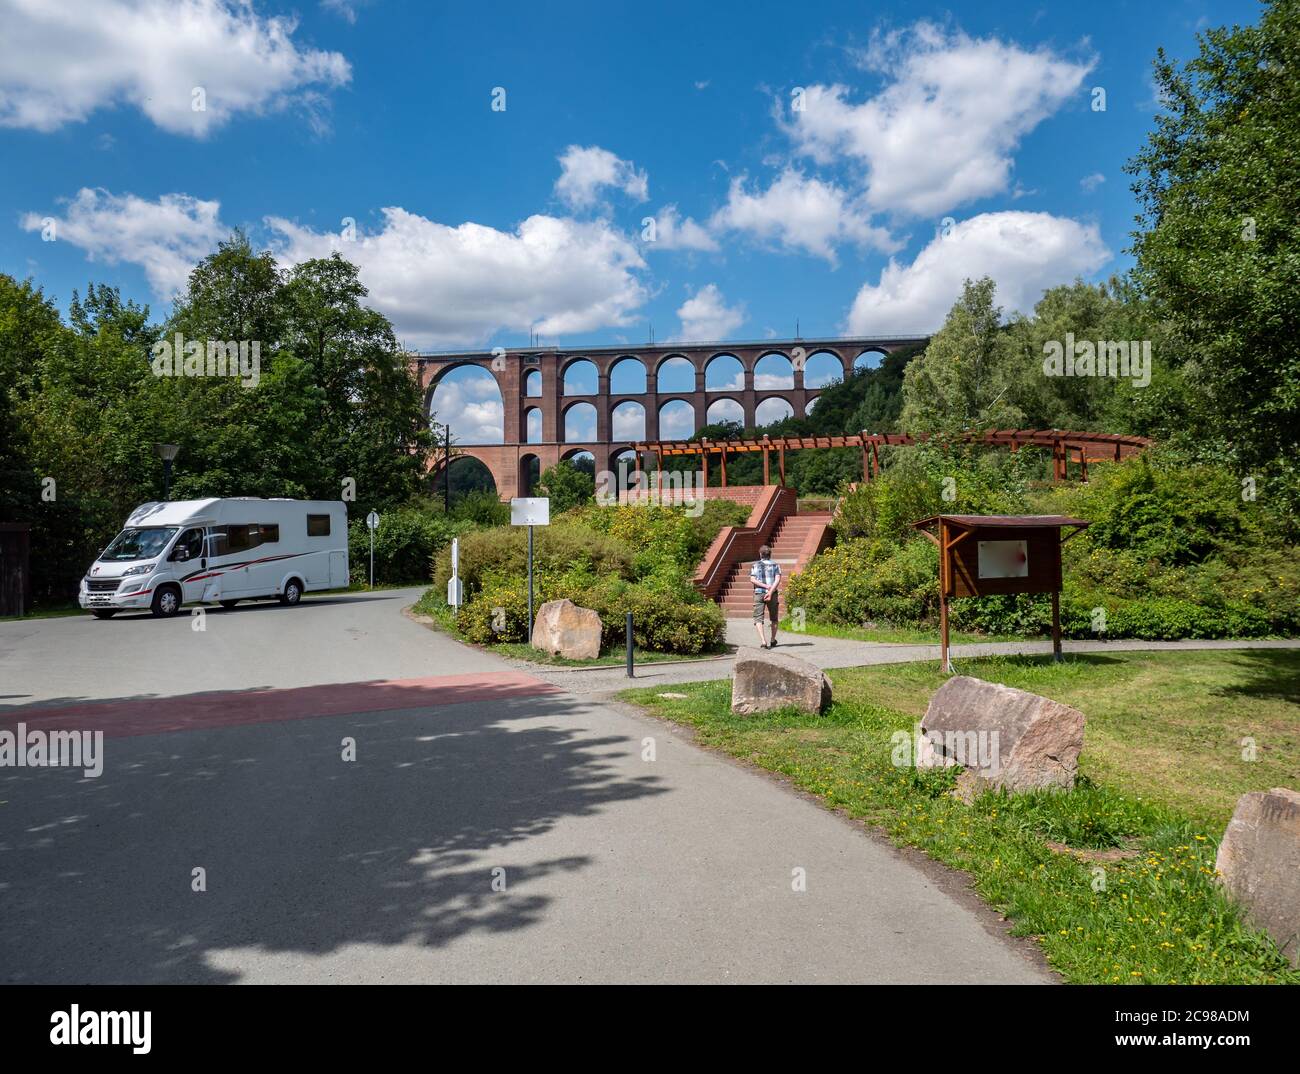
column 455, row 591
column 372, row 523
column 530, row 511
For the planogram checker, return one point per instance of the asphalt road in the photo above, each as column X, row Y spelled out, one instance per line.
column 493, row 826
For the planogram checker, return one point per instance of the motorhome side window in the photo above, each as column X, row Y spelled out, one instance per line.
column 318, row 525
column 242, row 536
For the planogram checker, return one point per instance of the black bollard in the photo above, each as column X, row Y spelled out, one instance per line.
column 629, row 645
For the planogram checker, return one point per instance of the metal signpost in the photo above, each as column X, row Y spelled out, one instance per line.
column 372, row 523
column 455, row 592
column 530, row 511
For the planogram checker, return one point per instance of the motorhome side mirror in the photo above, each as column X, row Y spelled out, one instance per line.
column 182, row 554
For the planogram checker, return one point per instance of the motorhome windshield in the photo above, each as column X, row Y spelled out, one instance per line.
column 143, row 543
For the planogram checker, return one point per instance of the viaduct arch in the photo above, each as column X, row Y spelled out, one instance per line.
column 514, row 369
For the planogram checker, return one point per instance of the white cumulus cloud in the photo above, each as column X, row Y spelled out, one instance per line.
column 943, row 129
column 164, row 237
column 1024, row 253
column 800, row 212
column 586, row 171
column 450, row 287
column 61, row 60
column 674, row 232
column 441, row 286
column 706, row 315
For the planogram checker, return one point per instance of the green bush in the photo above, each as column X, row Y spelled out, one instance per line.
column 502, row 553
column 482, row 507
column 405, row 543
column 1173, row 552
column 1021, row 613
column 885, row 507
column 660, row 624
column 636, row 558
column 933, row 480
column 715, row 516
column 668, row 542
column 497, row 613
column 1175, row 514
column 566, row 486
column 860, row 581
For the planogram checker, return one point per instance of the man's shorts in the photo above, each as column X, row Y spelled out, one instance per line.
column 762, row 607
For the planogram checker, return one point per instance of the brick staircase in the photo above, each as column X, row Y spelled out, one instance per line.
column 797, row 540
column 795, row 537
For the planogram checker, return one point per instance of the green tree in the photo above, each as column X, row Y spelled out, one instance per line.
column 968, row 376
column 368, row 420
column 88, row 409
column 567, row 486
column 336, row 397
column 240, row 438
column 1218, row 254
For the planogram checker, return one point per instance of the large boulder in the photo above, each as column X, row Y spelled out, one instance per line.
column 765, row 680
column 1259, row 863
column 1004, row 737
column 564, row 629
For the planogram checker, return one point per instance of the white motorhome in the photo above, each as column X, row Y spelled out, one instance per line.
column 219, row 551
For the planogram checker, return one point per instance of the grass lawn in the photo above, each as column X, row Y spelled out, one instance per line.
column 435, row 608
column 54, row 611
column 898, row 635
column 1134, row 901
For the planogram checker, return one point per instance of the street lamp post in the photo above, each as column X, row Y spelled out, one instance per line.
column 167, row 452
column 446, row 476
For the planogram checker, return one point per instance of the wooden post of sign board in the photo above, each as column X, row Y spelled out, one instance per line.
column 723, row 458
column 704, row 460
column 767, row 480
column 780, row 458
column 945, row 664
column 1056, row 626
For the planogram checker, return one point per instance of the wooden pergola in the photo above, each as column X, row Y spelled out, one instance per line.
column 1066, row 447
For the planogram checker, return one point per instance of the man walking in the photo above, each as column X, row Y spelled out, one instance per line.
column 766, row 576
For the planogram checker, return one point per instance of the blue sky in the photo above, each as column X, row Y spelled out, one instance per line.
column 839, row 164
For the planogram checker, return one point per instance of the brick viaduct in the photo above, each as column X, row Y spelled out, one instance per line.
column 533, row 379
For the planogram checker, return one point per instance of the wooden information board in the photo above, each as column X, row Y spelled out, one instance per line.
column 995, row 555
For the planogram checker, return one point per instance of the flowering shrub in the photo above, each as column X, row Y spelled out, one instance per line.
column 611, row 559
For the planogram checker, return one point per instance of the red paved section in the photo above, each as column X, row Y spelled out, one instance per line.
column 236, row 708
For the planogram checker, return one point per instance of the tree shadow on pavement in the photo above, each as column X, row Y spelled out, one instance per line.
column 304, row 852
